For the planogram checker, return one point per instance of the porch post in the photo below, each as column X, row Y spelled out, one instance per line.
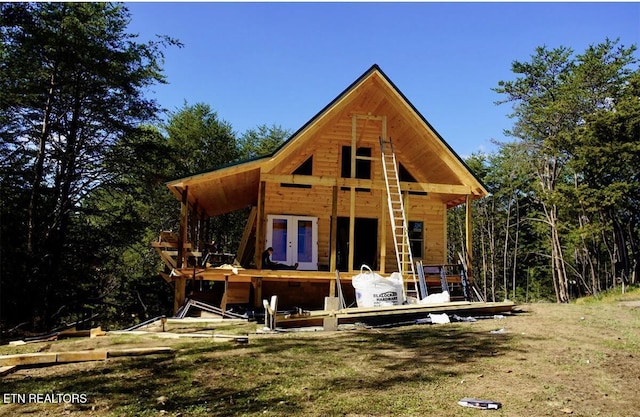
column 179, row 295
column 469, row 231
column 383, row 233
column 193, row 216
column 182, row 233
column 201, row 234
column 352, row 202
column 260, row 230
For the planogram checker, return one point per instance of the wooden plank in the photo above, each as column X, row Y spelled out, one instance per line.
column 28, row 359
column 260, row 225
column 468, row 230
column 97, row 331
column 167, row 259
column 334, row 229
column 182, row 235
column 171, row 335
column 138, row 351
column 238, row 292
column 165, row 276
column 329, row 181
column 299, row 179
column 246, row 234
column 5, row 370
column 256, row 282
column 81, row 356
column 180, row 285
column 383, row 233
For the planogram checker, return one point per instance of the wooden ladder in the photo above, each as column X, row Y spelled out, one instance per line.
column 399, row 225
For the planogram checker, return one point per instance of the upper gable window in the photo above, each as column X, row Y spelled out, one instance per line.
column 306, row 168
column 363, row 166
column 405, row 176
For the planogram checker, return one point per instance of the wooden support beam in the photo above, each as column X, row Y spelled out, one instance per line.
column 81, row 356
column 50, row 358
column 138, row 351
column 256, row 282
column 365, row 183
column 182, row 233
column 405, row 250
column 201, row 234
column 246, row 234
column 333, row 259
column 193, row 222
column 260, row 225
column 469, row 231
column 332, row 288
column 383, row 232
column 5, row 370
column 179, row 294
column 370, row 117
column 352, row 199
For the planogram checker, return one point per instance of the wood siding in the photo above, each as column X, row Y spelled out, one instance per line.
column 326, row 149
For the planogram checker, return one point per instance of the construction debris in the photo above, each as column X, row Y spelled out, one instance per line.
column 169, row 335
column 58, row 335
column 206, row 307
column 481, row 404
column 51, row 358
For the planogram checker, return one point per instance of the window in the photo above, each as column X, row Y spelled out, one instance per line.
column 306, row 168
column 405, row 176
column 363, row 166
column 416, row 238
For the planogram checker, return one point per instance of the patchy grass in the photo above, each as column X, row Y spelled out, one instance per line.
column 550, row 360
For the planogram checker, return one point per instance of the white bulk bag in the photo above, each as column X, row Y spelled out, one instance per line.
column 373, row 290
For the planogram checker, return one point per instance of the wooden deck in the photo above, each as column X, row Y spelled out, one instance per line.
column 393, row 313
column 308, row 289
column 246, row 275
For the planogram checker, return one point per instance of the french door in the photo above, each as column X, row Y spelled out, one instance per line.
column 293, row 239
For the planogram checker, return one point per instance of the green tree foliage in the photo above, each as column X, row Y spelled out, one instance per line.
column 262, row 140
column 118, row 222
column 72, row 83
column 199, row 139
column 574, row 115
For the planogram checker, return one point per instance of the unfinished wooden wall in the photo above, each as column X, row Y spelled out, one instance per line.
column 326, row 149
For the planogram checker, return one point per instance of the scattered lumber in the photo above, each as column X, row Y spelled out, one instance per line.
column 5, row 370
column 138, row 351
column 63, row 334
column 182, row 312
column 51, row 358
column 169, row 335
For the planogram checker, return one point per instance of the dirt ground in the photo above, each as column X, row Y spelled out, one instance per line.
column 542, row 360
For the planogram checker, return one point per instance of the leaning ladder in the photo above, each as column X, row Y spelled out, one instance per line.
column 399, row 226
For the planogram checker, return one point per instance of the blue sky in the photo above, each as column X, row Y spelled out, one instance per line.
column 281, row 63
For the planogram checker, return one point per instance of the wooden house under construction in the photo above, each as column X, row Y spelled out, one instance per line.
column 328, row 200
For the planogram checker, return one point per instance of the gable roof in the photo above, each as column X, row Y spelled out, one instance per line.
column 235, row 186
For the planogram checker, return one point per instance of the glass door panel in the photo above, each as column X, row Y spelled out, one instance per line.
column 279, row 240
column 294, row 239
column 305, row 234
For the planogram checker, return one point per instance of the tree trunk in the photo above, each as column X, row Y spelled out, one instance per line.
column 505, row 254
column 515, row 248
column 43, row 138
